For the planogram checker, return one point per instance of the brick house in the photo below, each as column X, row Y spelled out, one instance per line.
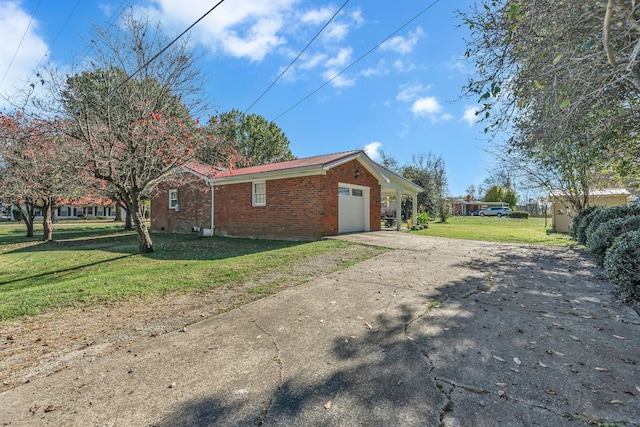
column 303, row 199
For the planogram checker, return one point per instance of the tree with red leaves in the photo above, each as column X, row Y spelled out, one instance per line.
column 40, row 164
column 131, row 114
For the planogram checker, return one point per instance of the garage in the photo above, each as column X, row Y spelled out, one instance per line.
column 353, row 208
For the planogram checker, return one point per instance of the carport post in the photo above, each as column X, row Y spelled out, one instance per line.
column 399, row 210
column 415, row 208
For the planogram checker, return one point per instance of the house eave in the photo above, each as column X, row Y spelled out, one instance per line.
column 365, row 162
column 269, row 176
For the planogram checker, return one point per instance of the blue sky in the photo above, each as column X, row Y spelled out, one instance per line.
column 403, row 98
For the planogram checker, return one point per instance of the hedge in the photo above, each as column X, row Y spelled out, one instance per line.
column 581, row 221
column 602, row 238
column 519, row 214
column 622, row 264
column 608, row 214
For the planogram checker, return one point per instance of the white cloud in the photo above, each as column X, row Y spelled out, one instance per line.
column 317, row 16
column 470, row 115
column 426, row 106
column 409, row 93
column 342, row 58
column 13, row 24
column 403, row 45
column 339, row 81
column 459, row 65
column 341, row 26
column 335, row 65
column 402, row 67
column 336, row 31
column 429, row 107
column 244, row 28
column 373, row 150
column 380, row 69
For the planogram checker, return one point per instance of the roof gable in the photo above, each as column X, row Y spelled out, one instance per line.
column 317, row 165
column 307, row 162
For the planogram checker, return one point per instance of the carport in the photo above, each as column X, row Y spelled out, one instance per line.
column 398, row 186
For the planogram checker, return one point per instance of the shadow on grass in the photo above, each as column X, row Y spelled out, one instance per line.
column 59, row 273
column 166, row 246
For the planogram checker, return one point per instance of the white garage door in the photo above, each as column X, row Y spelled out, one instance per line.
column 353, row 212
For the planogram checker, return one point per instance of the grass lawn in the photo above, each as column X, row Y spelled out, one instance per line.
column 493, row 229
column 90, row 264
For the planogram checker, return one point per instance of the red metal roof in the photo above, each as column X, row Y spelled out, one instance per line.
column 323, row 160
column 203, row 169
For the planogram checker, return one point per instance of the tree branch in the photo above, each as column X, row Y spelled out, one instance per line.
column 606, row 35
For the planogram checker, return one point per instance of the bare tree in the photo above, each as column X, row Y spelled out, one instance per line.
column 132, row 111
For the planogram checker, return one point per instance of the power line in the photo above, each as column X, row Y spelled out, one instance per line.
column 110, row 23
column 26, row 30
column 359, row 59
column 169, row 45
column 297, row 57
column 55, row 39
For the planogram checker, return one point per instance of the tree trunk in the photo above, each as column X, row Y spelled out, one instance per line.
column 29, row 225
column 47, row 225
column 144, row 238
column 127, row 221
column 27, row 215
column 118, row 213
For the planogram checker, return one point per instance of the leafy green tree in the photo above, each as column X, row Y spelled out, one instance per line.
column 428, row 171
column 237, row 140
column 510, row 198
column 494, row 194
column 390, row 162
column 499, row 194
column 563, row 79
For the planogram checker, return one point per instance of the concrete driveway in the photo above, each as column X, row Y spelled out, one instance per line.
column 434, row 332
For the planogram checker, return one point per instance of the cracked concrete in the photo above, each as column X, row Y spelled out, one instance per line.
column 435, row 332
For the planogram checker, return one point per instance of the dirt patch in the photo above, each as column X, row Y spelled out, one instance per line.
column 42, row 345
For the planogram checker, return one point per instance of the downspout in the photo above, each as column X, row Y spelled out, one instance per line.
column 213, row 204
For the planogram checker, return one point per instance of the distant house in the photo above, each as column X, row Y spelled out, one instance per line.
column 301, row 199
column 562, row 211
column 90, row 207
column 464, row 207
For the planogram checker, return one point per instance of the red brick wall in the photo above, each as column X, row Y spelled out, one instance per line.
column 194, row 199
column 296, row 208
column 303, row 208
column 346, row 173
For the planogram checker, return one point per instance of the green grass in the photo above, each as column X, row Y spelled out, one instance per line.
column 492, row 229
column 90, row 264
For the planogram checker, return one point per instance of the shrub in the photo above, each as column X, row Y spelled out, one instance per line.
column 519, row 214
column 423, row 218
column 581, row 221
column 602, row 238
column 608, row 214
column 622, row 264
